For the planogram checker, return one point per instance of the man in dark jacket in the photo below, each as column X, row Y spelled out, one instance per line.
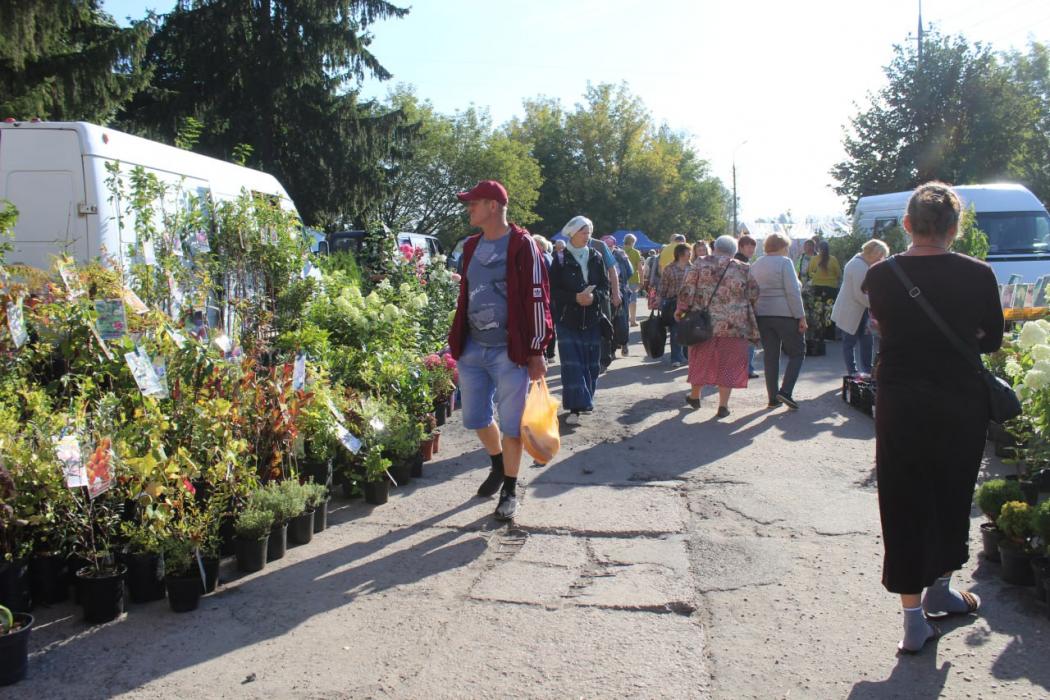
column 500, row 331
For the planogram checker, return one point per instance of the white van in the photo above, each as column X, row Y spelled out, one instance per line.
column 1015, row 221
column 55, row 173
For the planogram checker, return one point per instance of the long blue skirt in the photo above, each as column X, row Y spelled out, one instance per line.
column 579, row 353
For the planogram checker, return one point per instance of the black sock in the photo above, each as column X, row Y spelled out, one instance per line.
column 497, row 462
column 510, row 485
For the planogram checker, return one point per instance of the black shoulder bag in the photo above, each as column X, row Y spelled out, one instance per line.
column 1003, row 403
column 696, row 326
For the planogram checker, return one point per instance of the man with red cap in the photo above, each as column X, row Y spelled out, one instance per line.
column 500, row 331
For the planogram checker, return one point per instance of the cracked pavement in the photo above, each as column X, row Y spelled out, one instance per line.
column 661, row 554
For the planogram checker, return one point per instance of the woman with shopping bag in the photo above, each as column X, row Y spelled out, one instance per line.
column 579, row 284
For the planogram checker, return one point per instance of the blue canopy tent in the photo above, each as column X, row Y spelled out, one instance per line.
column 643, row 244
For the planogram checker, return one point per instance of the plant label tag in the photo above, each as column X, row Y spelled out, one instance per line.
column 145, row 375
column 178, row 338
column 200, row 568
column 348, row 439
column 199, row 242
column 100, row 468
column 67, row 449
column 336, row 413
column 134, row 302
column 112, row 323
column 16, row 323
column 70, row 278
column 299, row 372
column 223, row 342
column 149, row 256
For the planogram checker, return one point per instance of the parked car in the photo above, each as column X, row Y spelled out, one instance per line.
column 342, row 241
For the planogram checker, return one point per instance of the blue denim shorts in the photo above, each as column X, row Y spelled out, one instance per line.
column 489, row 381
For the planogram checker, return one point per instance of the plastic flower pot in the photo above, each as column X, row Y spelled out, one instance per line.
column 401, row 470
column 102, row 594
column 416, row 464
column 439, row 414
column 426, row 449
column 145, row 577
column 377, row 492
column 251, row 554
column 184, row 592
column 991, row 537
column 301, row 528
column 47, row 579
column 14, row 650
column 437, row 440
column 278, row 543
column 211, row 574
column 1017, row 567
column 14, row 585
column 321, row 516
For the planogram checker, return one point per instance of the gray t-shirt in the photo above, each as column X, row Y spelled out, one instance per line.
column 487, row 292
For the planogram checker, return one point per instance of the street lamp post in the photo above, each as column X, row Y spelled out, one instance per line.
column 736, row 227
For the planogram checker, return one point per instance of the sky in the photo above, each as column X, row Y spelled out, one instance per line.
column 765, row 84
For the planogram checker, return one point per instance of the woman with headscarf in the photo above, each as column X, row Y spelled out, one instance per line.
column 579, row 284
column 727, row 290
column 825, row 274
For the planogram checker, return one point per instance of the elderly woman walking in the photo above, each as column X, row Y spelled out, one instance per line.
column 850, row 312
column 931, row 409
column 579, row 284
column 724, row 287
column 670, row 285
column 781, row 318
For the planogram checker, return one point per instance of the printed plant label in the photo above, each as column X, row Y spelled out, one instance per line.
column 145, row 375
column 100, row 468
column 112, row 322
column 67, row 449
column 299, row 372
column 16, row 323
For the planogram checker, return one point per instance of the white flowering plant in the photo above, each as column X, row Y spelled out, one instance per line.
column 1024, row 361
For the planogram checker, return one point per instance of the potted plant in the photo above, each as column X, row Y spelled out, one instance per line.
column 182, row 576
column 301, row 526
column 145, row 562
column 14, row 568
column 1015, row 522
column 14, row 645
column 990, row 497
column 377, row 480
column 1041, row 564
column 401, row 445
column 317, row 501
column 283, row 506
column 253, row 527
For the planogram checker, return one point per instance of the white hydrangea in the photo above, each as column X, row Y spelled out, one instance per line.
column 1032, row 334
column 1013, row 368
column 1041, row 352
column 1036, row 379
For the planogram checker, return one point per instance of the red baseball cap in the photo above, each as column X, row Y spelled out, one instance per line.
column 486, row 189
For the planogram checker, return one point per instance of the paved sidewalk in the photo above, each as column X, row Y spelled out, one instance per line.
column 662, row 554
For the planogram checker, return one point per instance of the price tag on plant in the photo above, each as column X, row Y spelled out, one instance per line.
column 70, row 278
column 199, row 242
column 145, row 375
column 348, row 439
column 134, row 302
column 100, row 468
column 299, row 372
column 178, row 338
column 223, row 342
column 16, row 323
column 149, row 256
column 67, row 450
column 377, row 424
column 112, row 323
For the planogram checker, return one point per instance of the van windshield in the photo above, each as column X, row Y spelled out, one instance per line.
column 1016, row 232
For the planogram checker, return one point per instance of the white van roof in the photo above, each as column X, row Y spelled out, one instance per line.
column 110, row 144
column 1000, row 196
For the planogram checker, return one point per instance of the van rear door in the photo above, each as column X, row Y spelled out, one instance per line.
column 41, row 172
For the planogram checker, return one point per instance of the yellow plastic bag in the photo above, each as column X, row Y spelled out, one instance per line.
column 539, row 423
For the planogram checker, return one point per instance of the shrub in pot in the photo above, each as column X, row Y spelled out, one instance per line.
column 1041, row 564
column 990, row 497
column 317, row 501
column 284, row 506
column 182, row 572
column 1015, row 522
column 101, row 582
column 145, row 561
column 14, row 566
column 301, row 525
column 377, row 481
column 252, row 529
column 14, row 645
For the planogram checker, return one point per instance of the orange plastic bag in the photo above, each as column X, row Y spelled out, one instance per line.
column 539, row 423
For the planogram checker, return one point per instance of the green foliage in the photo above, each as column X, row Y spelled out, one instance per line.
column 253, row 523
column 970, row 240
column 962, row 114
column 189, row 133
column 179, row 556
column 991, row 495
column 376, row 466
column 283, row 503
column 7, row 620
column 1041, row 523
column 67, row 60
column 316, row 494
column 1015, row 521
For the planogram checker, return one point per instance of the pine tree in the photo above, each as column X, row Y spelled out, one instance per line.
column 278, row 75
column 67, row 60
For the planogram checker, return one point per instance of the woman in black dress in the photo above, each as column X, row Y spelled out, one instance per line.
column 931, row 411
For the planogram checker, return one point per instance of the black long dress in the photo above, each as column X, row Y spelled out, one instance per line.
column 931, row 412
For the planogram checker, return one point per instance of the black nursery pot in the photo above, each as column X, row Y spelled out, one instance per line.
column 102, row 597
column 990, row 539
column 416, row 466
column 145, row 577
column 377, row 492
column 184, row 592
column 1017, row 566
column 321, row 516
column 439, row 414
column 47, row 579
column 401, row 470
column 301, row 528
column 211, row 574
column 278, row 543
column 14, row 586
column 14, row 650
column 251, row 554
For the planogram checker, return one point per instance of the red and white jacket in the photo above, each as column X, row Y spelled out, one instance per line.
column 529, row 326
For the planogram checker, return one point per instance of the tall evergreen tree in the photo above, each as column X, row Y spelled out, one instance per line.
column 278, row 75
column 67, row 60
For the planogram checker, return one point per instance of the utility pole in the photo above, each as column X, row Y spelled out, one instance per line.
column 735, row 228
column 919, row 37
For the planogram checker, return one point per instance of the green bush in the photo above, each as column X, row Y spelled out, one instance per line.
column 991, row 495
column 179, row 557
column 1041, row 523
column 296, row 494
column 315, row 494
column 1015, row 521
column 283, row 502
column 253, row 524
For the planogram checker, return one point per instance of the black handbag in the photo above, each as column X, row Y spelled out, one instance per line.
column 1003, row 403
column 654, row 335
column 696, row 326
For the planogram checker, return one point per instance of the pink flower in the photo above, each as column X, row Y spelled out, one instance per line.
column 456, row 277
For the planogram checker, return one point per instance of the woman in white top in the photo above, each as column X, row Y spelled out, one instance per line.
column 850, row 312
column 781, row 317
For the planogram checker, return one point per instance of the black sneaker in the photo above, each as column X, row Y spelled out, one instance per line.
column 787, row 400
column 491, row 484
column 508, row 506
